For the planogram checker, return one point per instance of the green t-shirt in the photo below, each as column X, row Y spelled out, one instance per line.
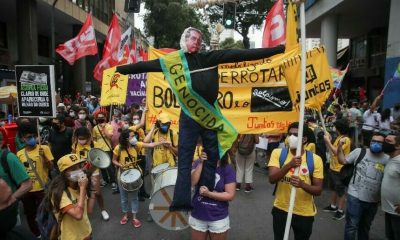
column 17, row 170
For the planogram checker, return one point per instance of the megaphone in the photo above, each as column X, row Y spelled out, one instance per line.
column 99, row 158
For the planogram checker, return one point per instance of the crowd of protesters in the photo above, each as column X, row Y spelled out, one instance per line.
column 55, row 169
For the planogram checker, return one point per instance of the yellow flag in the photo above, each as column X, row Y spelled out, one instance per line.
column 318, row 78
column 291, row 26
column 113, row 88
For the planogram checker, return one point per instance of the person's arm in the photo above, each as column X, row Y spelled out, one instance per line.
column 153, row 144
column 276, row 174
column 45, row 154
column 240, row 55
column 256, row 138
column 24, row 187
column 77, row 210
column 227, row 195
column 195, row 176
column 375, row 103
column 149, row 135
column 142, row 119
column 140, row 67
column 314, row 189
column 115, row 161
column 340, row 154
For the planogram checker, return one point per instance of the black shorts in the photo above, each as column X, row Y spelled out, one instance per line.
column 336, row 183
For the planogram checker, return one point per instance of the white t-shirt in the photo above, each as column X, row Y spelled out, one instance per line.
column 371, row 120
column 385, row 124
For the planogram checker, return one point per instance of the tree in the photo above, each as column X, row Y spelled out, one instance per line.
column 229, row 43
column 165, row 20
column 248, row 13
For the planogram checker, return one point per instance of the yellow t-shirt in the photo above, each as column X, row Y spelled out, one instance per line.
column 197, row 152
column 304, row 202
column 100, row 140
column 162, row 154
column 334, row 163
column 310, row 147
column 124, row 159
column 142, row 135
column 71, row 228
column 39, row 164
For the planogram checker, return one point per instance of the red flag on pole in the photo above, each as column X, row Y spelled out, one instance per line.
column 110, row 51
column 132, row 52
column 82, row 45
column 275, row 26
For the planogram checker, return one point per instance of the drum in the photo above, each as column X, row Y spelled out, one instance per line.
column 159, row 169
column 131, row 180
column 161, row 199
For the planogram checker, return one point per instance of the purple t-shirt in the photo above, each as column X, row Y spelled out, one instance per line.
column 207, row 209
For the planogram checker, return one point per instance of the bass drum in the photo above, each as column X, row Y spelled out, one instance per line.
column 161, row 199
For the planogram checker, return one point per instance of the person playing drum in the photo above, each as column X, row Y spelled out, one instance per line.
column 125, row 157
column 82, row 143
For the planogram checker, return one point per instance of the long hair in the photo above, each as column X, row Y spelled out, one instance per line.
column 82, row 132
column 54, row 192
column 124, row 139
column 385, row 115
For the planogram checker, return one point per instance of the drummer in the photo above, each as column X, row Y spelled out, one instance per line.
column 125, row 157
column 81, row 145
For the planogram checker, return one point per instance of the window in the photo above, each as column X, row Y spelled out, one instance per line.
column 3, row 35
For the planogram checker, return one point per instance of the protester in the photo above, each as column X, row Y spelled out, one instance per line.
column 371, row 121
column 205, row 84
column 102, row 134
column 22, row 122
column 245, row 158
column 390, row 192
column 125, row 157
column 395, row 111
column 14, row 184
column 37, row 160
column 385, row 119
column 82, row 143
column 210, row 214
column 355, row 120
column 82, row 120
column 60, row 139
column 308, row 184
column 67, row 195
column 337, row 184
column 363, row 193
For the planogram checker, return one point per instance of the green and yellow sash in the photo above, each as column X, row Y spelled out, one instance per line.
column 176, row 71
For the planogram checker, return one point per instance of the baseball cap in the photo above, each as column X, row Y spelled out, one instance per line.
column 67, row 161
column 164, row 118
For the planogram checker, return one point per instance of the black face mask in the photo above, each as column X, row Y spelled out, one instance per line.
column 56, row 127
column 388, row 148
column 101, row 120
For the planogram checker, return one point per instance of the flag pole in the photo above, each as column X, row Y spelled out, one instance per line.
column 301, row 117
column 386, row 85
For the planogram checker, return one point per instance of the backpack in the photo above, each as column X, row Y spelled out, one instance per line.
column 48, row 225
column 246, row 145
column 309, row 161
column 348, row 170
column 8, row 215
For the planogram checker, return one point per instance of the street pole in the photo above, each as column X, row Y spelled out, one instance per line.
column 52, row 30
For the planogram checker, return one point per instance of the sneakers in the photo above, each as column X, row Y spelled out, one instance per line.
column 238, row 186
column 248, row 188
column 339, row 215
column 136, row 223
column 113, row 186
column 330, row 209
column 105, row 215
column 102, row 183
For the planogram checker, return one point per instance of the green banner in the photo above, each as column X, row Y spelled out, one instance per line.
column 176, row 71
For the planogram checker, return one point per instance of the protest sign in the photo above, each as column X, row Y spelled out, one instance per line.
column 136, row 88
column 36, row 90
column 113, row 88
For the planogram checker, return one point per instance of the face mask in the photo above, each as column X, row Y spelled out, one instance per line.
column 101, row 120
column 375, row 147
column 136, row 122
column 74, row 176
column 388, row 148
column 82, row 142
column 125, row 126
column 56, row 127
column 164, row 128
column 133, row 141
column 31, row 142
column 72, row 114
column 334, row 129
column 82, row 116
column 292, row 141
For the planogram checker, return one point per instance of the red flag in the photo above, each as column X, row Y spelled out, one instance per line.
column 82, row 45
column 132, row 52
column 142, row 54
column 110, row 51
column 275, row 26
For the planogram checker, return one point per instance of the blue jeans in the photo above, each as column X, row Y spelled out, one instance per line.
column 359, row 217
column 125, row 199
column 189, row 132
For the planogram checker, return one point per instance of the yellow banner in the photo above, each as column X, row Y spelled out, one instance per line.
column 113, row 88
column 318, row 78
column 253, row 96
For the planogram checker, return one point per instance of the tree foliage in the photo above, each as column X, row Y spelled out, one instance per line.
column 165, row 20
column 248, row 13
column 230, row 43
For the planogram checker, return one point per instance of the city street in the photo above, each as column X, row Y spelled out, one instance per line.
column 249, row 214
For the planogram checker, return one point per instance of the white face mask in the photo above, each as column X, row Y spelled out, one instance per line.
column 292, row 140
column 72, row 114
column 125, row 126
column 74, row 176
column 82, row 142
column 136, row 122
column 82, row 116
column 133, row 141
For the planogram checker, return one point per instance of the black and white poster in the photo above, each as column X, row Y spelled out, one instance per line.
column 36, row 90
column 270, row 99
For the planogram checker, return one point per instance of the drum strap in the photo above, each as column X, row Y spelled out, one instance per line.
column 135, row 162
